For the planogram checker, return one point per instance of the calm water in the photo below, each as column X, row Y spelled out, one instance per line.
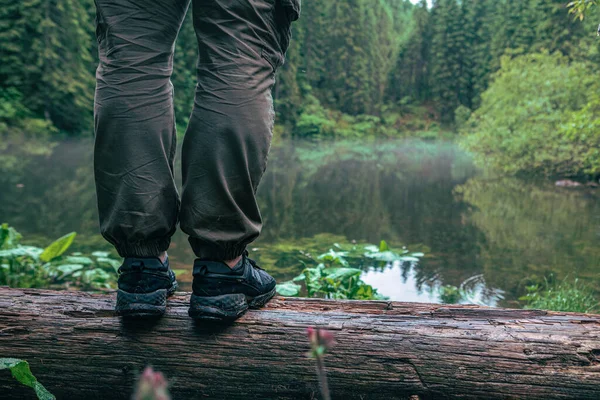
column 490, row 236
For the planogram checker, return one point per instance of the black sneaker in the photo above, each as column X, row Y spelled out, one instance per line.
column 144, row 285
column 223, row 293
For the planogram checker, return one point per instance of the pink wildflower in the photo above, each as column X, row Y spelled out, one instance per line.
column 151, row 386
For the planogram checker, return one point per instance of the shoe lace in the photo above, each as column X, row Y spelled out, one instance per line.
column 251, row 261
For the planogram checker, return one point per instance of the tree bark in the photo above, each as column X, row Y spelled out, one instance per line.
column 79, row 349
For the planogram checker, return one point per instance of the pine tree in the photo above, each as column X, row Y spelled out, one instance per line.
column 48, row 60
column 314, row 24
column 383, row 51
column 287, row 93
column 483, row 14
column 478, row 15
column 350, row 81
column 554, row 28
column 446, row 57
column 409, row 79
column 64, row 58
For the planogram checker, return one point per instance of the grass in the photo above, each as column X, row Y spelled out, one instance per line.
column 569, row 295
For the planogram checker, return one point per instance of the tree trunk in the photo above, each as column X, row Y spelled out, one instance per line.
column 78, row 349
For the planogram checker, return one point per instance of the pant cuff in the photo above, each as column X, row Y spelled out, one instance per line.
column 217, row 252
column 143, row 249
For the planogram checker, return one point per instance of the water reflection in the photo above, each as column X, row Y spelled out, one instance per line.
column 488, row 237
column 533, row 229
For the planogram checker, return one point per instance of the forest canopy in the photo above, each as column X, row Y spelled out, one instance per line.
column 355, row 68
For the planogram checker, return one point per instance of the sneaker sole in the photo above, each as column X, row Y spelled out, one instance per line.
column 140, row 305
column 261, row 300
column 228, row 307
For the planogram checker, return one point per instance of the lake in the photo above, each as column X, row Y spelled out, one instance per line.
column 489, row 235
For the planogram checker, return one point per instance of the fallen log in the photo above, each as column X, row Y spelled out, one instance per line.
column 79, row 349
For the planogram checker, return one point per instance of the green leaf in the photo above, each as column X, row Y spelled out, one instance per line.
column 383, row 246
column 96, row 275
column 299, row 278
column 7, row 363
column 410, row 259
column 41, row 392
column 110, row 261
column 79, row 260
column 29, row 251
column 21, row 372
column 68, row 269
column 387, row 256
column 101, row 254
column 9, row 237
column 288, row 289
column 313, row 279
column 58, row 247
column 341, row 273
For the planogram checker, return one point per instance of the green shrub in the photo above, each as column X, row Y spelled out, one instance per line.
column 539, row 116
column 17, row 119
column 314, row 120
column 567, row 295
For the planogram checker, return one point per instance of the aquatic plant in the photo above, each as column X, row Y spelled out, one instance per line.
column 332, row 275
column 34, row 267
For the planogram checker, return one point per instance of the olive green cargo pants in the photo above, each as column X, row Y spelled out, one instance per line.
column 241, row 43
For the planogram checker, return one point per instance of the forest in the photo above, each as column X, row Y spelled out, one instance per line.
column 505, row 77
column 358, row 68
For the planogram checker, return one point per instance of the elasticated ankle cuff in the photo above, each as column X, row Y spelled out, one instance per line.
column 143, row 249
column 223, row 252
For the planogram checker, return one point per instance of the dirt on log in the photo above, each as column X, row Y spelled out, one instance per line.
column 79, row 349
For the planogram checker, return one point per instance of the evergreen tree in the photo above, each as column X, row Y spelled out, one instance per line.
column 358, row 57
column 481, row 16
column 383, row 51
column 350, row 83
column 46, row 59
column 287, row 94
column 446, row 57
column 314, row 27
column 409, row 79
column 478, row 22
column 554, row 29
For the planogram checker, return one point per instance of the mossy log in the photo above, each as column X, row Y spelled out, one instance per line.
column 79, row 349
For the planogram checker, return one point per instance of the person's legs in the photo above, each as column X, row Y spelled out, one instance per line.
column 134, row 120
column 241, row 43
column 225, row 149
